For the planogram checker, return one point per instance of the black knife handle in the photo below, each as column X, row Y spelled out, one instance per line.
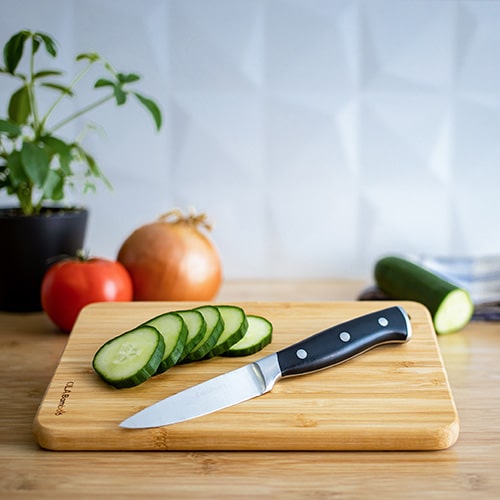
column 342, row 342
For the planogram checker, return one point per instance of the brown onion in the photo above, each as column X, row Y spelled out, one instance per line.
column 171, row 259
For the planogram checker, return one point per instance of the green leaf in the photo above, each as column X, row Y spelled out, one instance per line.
column 19, row 75
column 46, row 72
column 20, row 106
column 103, row 82
column 35, row 44
column 89, row 56
column 89, row 186
column 36, row 162
column 57, row 147
column 57, row 86
column 152, row 107
column 93, row 168
column 128, row 77
column 17, row 175
column 4, row 181
column 13, row 50
column 110, row 68
column 120, row 95
column 9, row 128
column 53, row 187
column 50, row 44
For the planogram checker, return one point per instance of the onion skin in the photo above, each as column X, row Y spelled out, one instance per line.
column 172, row 260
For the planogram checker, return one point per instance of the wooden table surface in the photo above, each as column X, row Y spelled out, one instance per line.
column 31, row 348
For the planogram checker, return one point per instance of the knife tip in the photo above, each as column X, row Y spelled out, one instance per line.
column 133, row 423
column 127, row 424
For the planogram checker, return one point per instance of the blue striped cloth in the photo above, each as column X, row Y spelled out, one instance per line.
column 480, row 276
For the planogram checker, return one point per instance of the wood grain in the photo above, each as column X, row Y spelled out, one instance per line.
column 31, row 350
column 395, row 397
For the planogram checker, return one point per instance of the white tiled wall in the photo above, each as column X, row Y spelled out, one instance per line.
column 317, row 134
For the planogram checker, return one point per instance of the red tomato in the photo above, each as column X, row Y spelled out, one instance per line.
column 71, row 284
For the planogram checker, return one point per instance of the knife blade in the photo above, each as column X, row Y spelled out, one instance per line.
column 327, row 348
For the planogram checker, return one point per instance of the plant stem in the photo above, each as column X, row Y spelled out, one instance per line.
column 3, row 149
column 61, row 97
column 82, row 111
column 31, row 88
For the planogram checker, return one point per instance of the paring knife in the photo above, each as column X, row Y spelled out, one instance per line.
column 327, row 348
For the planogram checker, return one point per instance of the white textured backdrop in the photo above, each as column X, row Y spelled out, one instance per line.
column 317, row 134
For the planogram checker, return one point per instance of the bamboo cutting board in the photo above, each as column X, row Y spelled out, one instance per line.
column 394, row 397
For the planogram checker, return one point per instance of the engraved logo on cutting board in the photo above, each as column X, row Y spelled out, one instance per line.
column 64, row 396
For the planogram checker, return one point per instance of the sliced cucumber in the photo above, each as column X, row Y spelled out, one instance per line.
column 235, row 327
column 196, row 328
column 131, row 358
column 179, row 336
column 215, row 326
column 259, row 333
column 174, row 331
column 450, row 306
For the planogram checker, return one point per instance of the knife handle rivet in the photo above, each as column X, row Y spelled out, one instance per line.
column 301, row 353
column 345, row 336
column 383, row 321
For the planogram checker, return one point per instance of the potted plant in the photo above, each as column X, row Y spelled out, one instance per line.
column 38, row 165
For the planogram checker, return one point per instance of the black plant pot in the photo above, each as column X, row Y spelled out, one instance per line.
column 28, row 245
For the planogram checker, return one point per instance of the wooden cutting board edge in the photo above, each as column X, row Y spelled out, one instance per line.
column 53, row 437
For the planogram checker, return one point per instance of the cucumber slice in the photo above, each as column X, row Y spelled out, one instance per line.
column 258, row 335
column 196, row 328
column 131, row 358
column 174, row 332
column 215, row 326
column 235, row 327
column 450, row 306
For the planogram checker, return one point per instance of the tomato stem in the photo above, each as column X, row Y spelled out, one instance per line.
column 83, row 255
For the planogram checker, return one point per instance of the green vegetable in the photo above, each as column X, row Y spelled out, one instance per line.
column 131, row 358
column 180, row 336
column 259, row 334
column 174, row 332
column 450, row 306
column 196, row 328
column 235, row 327
column 215, row 326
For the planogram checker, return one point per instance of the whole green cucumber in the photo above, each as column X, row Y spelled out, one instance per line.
column 450, row 306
